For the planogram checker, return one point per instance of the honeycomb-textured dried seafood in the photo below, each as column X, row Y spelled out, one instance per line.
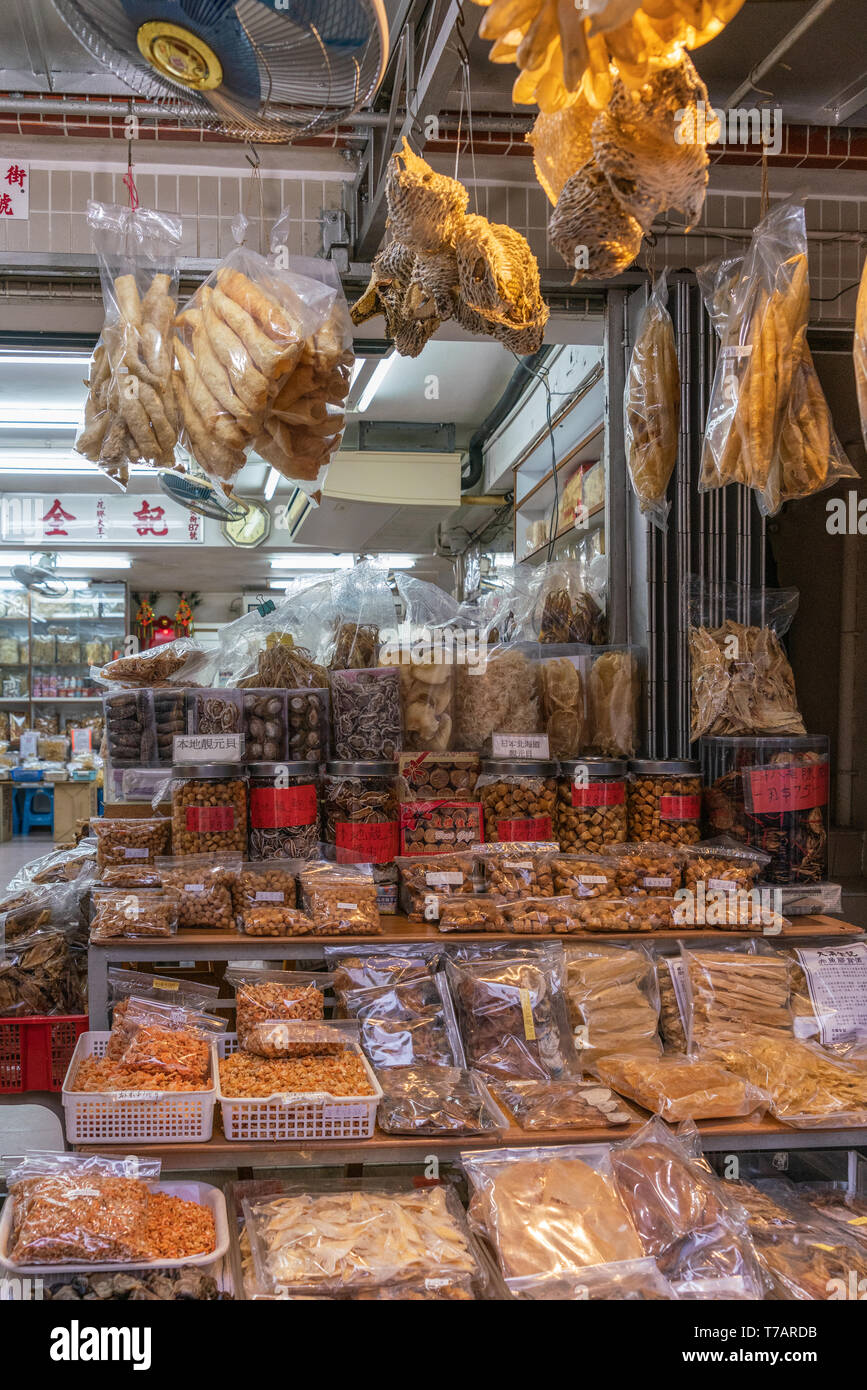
column 424, row 208
column 561, row 145
column 499, row 279
column 591, row 228
column 652, row 407
column 613, row 688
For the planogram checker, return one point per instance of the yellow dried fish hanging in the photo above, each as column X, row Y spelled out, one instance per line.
column 499, row 280
column 652, row 407
column 425, row 209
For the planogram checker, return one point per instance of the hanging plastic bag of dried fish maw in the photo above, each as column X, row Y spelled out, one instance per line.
column 859, row 351
column 718, row 280
column 304, row 424
column 237, row 340
column 810, row 457
column 428, row 648
column 651, row 407
column 741, row 681
column 499, row 692
column 359, row 606
column 754, row 371
column 130, row 415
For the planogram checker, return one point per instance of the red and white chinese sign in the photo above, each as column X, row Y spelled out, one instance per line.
column 14, row 189
column 83, row 518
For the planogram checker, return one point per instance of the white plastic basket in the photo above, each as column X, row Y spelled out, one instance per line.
column 201, row 1192
column 139, row 1117
column 283, row 1117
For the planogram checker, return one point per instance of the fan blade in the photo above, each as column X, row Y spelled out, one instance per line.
column 217, row 23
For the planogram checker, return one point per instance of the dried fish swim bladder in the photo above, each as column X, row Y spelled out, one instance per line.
column 131, row 411
column 809, row 455
column 238, row 342
column 651, row 407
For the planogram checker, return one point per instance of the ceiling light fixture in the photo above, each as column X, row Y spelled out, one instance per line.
column 357, row 367
column 45, row 359
column 312, row 562
column 93, row 560
column 271, row 484
column 380, row 372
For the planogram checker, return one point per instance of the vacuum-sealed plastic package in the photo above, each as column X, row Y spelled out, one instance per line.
column 513, row 1016
column 651, row 406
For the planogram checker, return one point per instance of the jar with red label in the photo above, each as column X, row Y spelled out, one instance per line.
column 518, row 798
column 591, row 804
column 360, row 820
column 283, row 811
column 663, row 801
column 209, row 808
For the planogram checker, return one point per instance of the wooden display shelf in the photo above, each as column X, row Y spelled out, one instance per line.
column 717, row 1136
column 190, row 945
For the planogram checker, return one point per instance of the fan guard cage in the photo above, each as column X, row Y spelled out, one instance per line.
column 309, row 83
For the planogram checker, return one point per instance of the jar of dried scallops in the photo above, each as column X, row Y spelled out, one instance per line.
column 664, row 801
column 591, row 804
column 209, row 808
column 518, row 797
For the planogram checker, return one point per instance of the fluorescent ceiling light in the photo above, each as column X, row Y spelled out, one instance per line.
column 45, row 359
column 395, row 562
column 93, row 560
column 312, row 562
column 357, row 366
column 271, row 484
column 15, row 557
column 28, row 417
column 380, row 372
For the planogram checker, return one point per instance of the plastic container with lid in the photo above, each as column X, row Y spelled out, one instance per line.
column 518, row 798
column 664, row 800
column 771, row 793
column 283, row 811
column 591, row 804
column 360, row 820
column 209, row 808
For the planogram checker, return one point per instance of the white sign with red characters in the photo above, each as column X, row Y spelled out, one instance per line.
column 14, row 189
column 85, row 518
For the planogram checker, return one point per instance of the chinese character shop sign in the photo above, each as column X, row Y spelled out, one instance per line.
column 82, row 518
column 14, row 189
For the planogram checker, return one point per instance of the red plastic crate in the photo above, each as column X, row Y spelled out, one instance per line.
column 35, row 1052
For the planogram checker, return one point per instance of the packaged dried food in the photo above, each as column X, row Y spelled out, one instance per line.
column 498, row 696
column 128, row 912
column 591, row 804
column 647, row 868
column 166, row 1038
column 735, row 993
column 75, row 1209
column 664, row 801
column 264, row 725
column 342, row 900
column 215, row 711
column 426, row 881
column 518, row 798
column 283, row 811
column 685, row 1217
column 809, row 1087
column 435, row 827
column 841, row 1207
column 673, row 1005
column 477, row 914
column 308, row 721
column 515, row 868
column 41, row 974
column 651, row 406
column 772, row 795
column 209, row 808
column 197, row 881
column 130, row 876
column 426, row 776
column 424, row 1099
column 613, row 1001
column 365, row 714
column 262, row 995
column 124, row 984
column 122, row 841
column 562, row 680
column 162, row 1286
column 410, row 1023
column 130, row 729
column 547, row 1105
column 681, row 1088
column 801, row 1255
column 368, row 966
column 265, row 883
column 130, row 415
column 539, row 916
column 246, row 1076
column 623, row 1281
column 613, row 694
column 295, row 1037
column 270, row 919
column 722, row 868
column 583, row 875
column 8, row 651
column 155, row 666
column 549, row 1213
column 43, row 649
column 52, row 749
column 513, row 1015
column 360, row 819
column 170, row 719
column 337, row 1237
column 68, row 649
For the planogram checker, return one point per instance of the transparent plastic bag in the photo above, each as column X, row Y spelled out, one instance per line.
column 651, row 407
column 374, row 966
column 718, row 279
column 802, row 1255
column 808, row 1086
column 741, row 680
column 738, row 991
column 366, row 718
column 613, row 696
column 428, row 647
column 481, row 913
column 178, row 659
column 685, row 1216
column 646, row 868
column 809, row 456
column 134, row 840
column 407, row 1024
column 282, row 1038
column 425, row 882
column 124, row 984
column 613, row 1000
column 237, row 339
column 198, row 881
column 513, row 1015
column 583, row 875
column 569, row 601
column 341, row 899
column 131, row 413
column 763, row 334
column 681, row 1088
column 437, row 1100
column 548, row 1105
column 127, row 912
column 167, row 1038
column 262, row 995
column 304, row 425
column 516, row 868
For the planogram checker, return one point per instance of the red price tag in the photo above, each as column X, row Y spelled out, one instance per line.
column 534, row 828
column 375, row 843
column 679, row 807
column 599, row 794
column 274, row 807
column 796, row 787
column 202, row 819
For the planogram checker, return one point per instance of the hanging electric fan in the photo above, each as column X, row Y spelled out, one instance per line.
column 259, row 70
column 200, row 496
column 40, row 578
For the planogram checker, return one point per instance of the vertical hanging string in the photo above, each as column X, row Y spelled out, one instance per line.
column 128, row 179
column 765, row 197
column 255, row 186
